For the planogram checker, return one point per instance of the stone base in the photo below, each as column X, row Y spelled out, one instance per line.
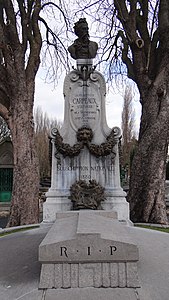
column 107, row 275
column 57, row 201
column 93, row 294
column 53, row 206
column 88, row 249
column 118, row 204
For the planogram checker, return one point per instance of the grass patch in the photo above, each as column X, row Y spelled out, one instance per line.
column 163, row 229
column 17, row 230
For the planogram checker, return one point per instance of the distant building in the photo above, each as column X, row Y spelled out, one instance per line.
column 6, row 170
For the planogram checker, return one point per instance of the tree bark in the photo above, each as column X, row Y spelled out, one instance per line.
column 147, row 182
column 24, row 204
column 19, row 32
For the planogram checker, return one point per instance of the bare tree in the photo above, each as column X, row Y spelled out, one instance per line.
column 4, row 130
column 20, row 46
column 134, row 40
column 43, row 126
column 128, row 129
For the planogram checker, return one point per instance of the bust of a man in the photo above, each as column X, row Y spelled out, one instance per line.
column 82, row 48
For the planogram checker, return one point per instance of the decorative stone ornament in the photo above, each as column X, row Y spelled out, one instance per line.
column 86, row 195
column 84, row 137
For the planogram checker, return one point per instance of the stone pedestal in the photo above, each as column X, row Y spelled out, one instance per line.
column 88, row 249
column 85, row 149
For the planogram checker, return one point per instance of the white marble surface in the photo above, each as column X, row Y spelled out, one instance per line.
column 85, row 106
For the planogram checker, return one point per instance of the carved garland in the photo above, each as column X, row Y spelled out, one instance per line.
column 86, row 195
column 84, row 137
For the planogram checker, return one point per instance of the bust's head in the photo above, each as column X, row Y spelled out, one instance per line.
column 81, row 28
column 82, row 48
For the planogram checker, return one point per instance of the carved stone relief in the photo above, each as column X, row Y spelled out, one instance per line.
column 84, row 137
column 86, row 195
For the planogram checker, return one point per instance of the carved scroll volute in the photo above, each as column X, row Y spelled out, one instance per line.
column 117, row 133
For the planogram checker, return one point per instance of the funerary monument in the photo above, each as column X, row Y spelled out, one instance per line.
column 88, row 245
column 85, row 155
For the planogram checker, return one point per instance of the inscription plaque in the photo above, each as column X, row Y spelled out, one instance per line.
column 84, row 108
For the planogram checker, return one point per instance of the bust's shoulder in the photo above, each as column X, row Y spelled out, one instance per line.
column 93, row 44
column 93, row 47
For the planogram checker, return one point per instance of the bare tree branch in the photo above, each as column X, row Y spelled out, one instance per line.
column 10, row 29
column 24, row 23
column 59, row 8
column 4, row 112
column 35, row 43
column 163, row 26
column 54, row 36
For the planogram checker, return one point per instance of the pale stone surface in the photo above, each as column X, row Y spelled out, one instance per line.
column 114, row 275
column 47, row 277
column 106, row 274
column 88, row 249
column 132, row 274
column 85, row 106
column 97, row 275
column 74, row 275
column 122, row 274
column 105, row 239
column 90, row 275
column 86, row 275
column 92, row 294
column 58, row 280
column 66, row 276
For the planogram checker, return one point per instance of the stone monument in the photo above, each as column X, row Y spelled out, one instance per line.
column 87, row 246
column 85, row 154
column 88, row 249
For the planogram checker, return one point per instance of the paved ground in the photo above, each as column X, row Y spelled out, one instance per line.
column 4, row 220
column 19, row 263
column 20, row 269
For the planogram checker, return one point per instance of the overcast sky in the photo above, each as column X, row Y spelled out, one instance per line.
column 51, row 101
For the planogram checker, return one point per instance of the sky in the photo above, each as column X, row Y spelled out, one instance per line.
column 51, row 100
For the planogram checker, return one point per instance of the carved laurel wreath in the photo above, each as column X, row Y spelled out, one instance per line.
column 84, row 137
column 86, row 195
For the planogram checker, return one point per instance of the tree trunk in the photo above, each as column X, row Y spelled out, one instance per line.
column 24, row 204
column 147, row 183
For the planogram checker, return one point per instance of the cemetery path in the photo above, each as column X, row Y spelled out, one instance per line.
column 20, row 269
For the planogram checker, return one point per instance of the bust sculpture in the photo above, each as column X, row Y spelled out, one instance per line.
column 82, row 48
